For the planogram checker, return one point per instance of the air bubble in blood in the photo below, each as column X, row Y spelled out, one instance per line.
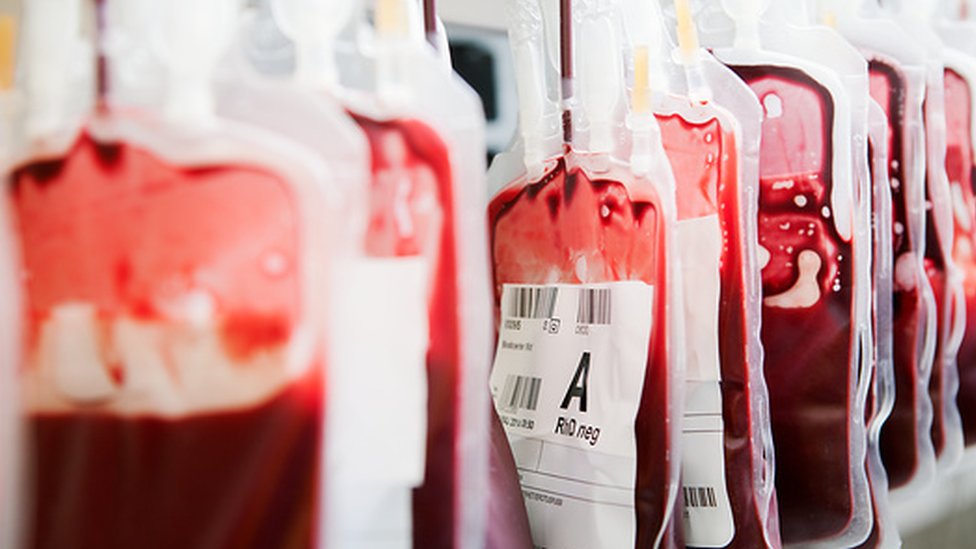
column 773, row 105
column 274, row 264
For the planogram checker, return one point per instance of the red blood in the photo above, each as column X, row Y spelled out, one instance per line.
column 508, row 524
column 247, row 334
column 115, row 226
column 705, row 163
column 960, row 166
column 243, row 478
column 412, row 212
column 410, row 209
column 900, row 447
column 808, row 349
column 542, row 232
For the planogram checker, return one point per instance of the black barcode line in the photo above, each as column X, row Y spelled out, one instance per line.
column 521, row 393
column 533, row 303
column 594, row 306
column 700, row 496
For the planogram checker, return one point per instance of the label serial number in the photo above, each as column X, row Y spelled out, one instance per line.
column 518, row 422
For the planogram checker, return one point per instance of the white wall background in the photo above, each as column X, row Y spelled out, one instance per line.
column 479, row 13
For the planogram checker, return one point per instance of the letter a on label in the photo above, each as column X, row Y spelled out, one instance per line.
column 577, row 389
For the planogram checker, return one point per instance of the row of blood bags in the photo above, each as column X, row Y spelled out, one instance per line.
column 244, row 296
column 258, row 343
column 734, row 251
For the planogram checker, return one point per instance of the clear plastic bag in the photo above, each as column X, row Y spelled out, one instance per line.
column 173, row 380
column 441, row 121
column 959, row 80
column 424, row 131
column 881, row 400
column 377, row 394
column 809, row 146
column 581, row 239
column 11, row 456
column 896, row 71
column 712, row 136
column 947, row 283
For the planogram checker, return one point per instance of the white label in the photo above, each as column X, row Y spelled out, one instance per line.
column 708, row 514
column 377, row 412
column 567, row 382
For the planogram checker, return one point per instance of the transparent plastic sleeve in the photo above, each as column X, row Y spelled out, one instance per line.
column 896, row 73
column 712, row 144
column 812, row 104
column 455, row 112
column 517, row 214
column 187, row 430
column 960, row 98
column 941, row 269
column 741, row 103
column 749, row 444
column 586, row 237
column 424, row 131
column 828, row 48
column 435, row 106
column 11, row 446
column 884, row 532
column 173, row 378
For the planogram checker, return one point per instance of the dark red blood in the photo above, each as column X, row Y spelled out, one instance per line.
column 808, row 350
column 900, row 446
column 424, row 191
column 621, row 239
column 508, row 524
column 959, row 167
column 704, row 159
column 243, row 478
column 115, row 226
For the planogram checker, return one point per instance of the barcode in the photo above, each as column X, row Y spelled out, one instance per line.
column 533, row 303
column 520, row 393
column 700, row 496
column 594, row 306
